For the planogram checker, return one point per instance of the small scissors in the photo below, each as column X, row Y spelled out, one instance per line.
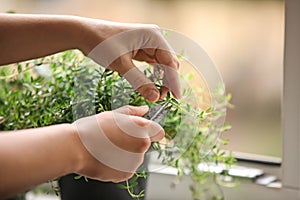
column 158, row 112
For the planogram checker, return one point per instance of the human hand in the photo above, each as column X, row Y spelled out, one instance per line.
column 114, row 142
column 115, row 46
column 112, row 45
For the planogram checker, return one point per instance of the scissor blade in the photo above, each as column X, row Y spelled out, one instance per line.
column 158, row 113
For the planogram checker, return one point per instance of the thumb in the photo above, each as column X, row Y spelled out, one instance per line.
column 156, row 132
column 133, row 110
column 139, row 127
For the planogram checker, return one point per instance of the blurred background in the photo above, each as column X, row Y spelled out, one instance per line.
column 243, row 37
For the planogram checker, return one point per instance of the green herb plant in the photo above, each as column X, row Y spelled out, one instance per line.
column 46, row 91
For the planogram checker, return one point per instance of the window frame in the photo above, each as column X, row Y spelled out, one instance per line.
column 288, row 171
column 291, row 97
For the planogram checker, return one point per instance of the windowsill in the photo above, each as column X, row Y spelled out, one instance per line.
column 255, row 178
column 257, row 158
column 267, row 164
column 257, row 169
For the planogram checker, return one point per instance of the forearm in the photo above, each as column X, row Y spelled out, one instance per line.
column 33, row 156
column 24, row 37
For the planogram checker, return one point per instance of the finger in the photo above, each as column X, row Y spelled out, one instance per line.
column 171, row 65
column 122, row 64
column 153, row 130
column 156, row 136
column 163, row 92
column 135, row 126
column 171, row 81
column 150, row 52
column 150, row 92
column 165, row 57
column 133, row 110
column 136, row 78
column 147, row 55
column 142, row 84
column 141, row 122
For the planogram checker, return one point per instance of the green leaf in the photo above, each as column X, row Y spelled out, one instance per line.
column 78, row 177
column 141, row 194
column 31, row 101
column 19, row 68
column 132, row 185
column 133, row 179
column 121, row 186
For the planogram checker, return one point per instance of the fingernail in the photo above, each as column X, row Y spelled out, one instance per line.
column 152, row 95
column 157, row 137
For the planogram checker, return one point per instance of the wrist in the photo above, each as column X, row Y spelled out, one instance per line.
column 77, row 150
column 93, row 32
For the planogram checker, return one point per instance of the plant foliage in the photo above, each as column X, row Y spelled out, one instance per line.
column 66, row 86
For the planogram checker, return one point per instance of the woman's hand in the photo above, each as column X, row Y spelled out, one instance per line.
column 115, row 46
column 112, row 45
column 109, row 147
column 113, row 143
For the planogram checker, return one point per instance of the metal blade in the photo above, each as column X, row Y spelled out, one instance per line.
column 158, row 112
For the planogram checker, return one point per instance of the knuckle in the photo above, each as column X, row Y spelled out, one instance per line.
column 143, row 145
column 152, row 30
column 131, row 110
column 154, row 26
column 142, row 122
column 128, row 109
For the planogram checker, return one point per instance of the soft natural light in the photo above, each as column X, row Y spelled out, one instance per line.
column 243, row 38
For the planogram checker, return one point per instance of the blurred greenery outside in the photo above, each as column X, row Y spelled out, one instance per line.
column 244, row 38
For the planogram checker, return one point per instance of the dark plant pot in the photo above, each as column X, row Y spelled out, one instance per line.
column 18, row 197
column 72, row 189
column 79, row 189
